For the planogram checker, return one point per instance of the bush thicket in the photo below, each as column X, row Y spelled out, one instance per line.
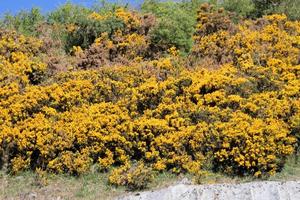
column 132, row 110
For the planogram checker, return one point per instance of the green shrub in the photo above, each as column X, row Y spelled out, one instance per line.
column 241, row 7
column 25, row 22
column 67, row 14
column 290, row 7
column 89, row 29
column 175, row 23
column 258, row 8
column 84, row 30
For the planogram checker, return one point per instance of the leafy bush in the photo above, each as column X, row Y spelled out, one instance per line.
column 175, row 23
column 264, row 6
column 290, row 7
column 68, row 14
column 258, row 8
column 25, row 22
column 87, row 30
column 242, row 7
column 78, row 29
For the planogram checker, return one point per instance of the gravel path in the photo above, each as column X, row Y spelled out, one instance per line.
column 247, row 191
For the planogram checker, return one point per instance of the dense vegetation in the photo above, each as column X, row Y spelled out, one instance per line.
column 183, row 87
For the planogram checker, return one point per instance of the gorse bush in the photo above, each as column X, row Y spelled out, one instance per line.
column 128, row 42
column 232, row 105
column 136, row 177
column 174, row 22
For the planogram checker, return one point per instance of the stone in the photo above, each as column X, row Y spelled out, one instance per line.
column 267, row 190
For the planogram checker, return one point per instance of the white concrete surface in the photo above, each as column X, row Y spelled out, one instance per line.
column 267, row 190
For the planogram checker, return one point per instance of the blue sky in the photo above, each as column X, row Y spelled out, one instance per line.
column 13, row 6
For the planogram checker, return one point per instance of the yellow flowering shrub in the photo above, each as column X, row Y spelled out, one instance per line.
column 242, row 116
column 135, row 177
column 129, row 43
column 97, row 16
column 16, row 63
column 246, row 145
column 265, row 55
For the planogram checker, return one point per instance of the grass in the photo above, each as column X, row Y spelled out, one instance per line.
column 89, row 186
column 94, row 185
column 291, row 170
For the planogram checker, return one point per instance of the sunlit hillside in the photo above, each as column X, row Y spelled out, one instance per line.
column 188, row 88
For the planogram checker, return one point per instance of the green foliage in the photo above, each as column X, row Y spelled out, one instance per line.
column 265, row 6
column 85, row 29
column 68, row 13
column 290, row 7
column 104, row 6
column 174, row 26
column 89, row 29
column 241, row 7
column 175, row 23
column 258, row 8
column 25, row 22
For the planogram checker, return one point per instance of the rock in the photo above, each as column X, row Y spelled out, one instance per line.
column 32, row 196
column 19, row 178
column 185, row 181
column 267, row 190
